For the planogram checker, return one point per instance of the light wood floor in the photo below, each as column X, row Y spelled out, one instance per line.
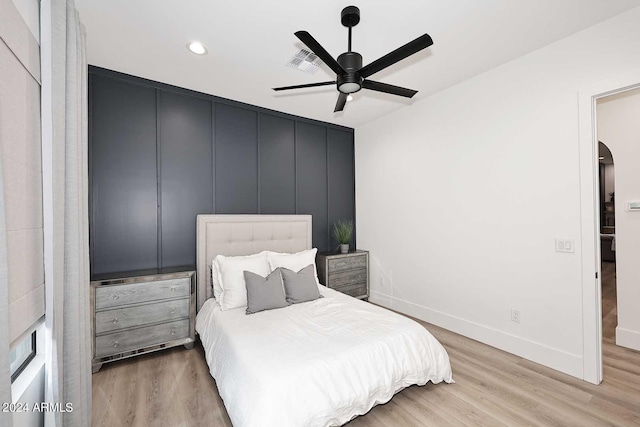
column 493, row 388
column 609, row 302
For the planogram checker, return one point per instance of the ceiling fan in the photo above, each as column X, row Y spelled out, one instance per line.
column 351, row 76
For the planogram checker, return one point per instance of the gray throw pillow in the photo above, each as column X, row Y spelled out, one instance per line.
column 264, row 293
column 300, row 286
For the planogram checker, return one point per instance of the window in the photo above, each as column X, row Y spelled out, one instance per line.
column 22, row 354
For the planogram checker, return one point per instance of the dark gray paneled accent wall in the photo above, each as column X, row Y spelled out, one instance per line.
column 340, row 173
column 123, row 167
column 185, row 174
column 277, row 165
column 236, row 170
column 311, row 177
column 160, row 155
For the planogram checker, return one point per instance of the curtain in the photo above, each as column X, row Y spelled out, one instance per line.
column 6, row 419
column 67, row 311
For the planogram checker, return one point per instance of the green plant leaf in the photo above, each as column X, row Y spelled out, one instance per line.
column 342, row 231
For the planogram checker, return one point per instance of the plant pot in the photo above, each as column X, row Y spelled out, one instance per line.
column 344, row 248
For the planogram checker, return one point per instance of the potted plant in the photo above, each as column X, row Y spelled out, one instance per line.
column 342, row 231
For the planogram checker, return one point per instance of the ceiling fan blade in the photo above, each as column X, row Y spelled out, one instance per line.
column 303, row 86
column 342, row 99
column 387, row 88
column 399, row 54
column 312, row 44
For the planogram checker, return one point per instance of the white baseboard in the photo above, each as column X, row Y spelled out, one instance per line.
column 628, row 338
column 571, row 364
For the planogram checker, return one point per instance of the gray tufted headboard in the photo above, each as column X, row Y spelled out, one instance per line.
column 235, row 235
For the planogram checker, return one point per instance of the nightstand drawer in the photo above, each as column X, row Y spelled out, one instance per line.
column 347, row 273
column 122, row 318
column 355, row 290
column 347, row 263
column 117, row 295
column 351, row 277
column 121, row 342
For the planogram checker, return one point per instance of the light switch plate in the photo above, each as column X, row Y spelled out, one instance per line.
column 565, row 245
column 633, row 206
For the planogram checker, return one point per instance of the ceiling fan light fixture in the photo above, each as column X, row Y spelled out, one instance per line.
column 197, row 48
column 349, row 83
column 349, row 87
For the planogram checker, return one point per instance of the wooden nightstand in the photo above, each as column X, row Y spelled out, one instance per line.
column 346, row 273
column 143, row 311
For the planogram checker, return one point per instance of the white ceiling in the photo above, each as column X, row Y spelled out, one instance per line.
column 249, row 43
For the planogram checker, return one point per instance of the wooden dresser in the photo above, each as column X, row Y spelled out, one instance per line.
column 139, row 312
column 346, row 273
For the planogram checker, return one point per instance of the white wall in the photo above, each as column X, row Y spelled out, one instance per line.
column 609, row 181
column 619, row 127
column 30, row 12
column 461, row 195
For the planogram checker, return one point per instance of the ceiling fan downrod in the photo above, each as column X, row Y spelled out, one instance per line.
column 350, row 17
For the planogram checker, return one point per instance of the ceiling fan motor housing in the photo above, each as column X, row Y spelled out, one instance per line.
column 351, row 62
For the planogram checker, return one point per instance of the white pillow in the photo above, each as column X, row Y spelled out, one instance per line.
column 231, row 275
column 294, row 262
column 215, row 280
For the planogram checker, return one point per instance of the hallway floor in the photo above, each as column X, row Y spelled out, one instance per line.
column 609, row 302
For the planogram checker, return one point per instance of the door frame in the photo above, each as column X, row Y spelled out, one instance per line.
column 590, row 219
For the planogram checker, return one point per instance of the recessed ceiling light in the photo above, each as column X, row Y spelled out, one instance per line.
column 197, row 48
column 349, row 98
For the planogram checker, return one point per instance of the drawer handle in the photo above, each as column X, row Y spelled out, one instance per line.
column 116, row 296
column 174, row 288
column 173, row 331
column 115, row 321
column 116, row 344
column 173, row 310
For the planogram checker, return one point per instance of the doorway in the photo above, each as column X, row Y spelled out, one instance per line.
column 608, row 244
column 618, row 128
column 590, row 222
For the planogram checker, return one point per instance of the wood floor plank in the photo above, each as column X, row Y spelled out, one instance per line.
column 624, row 416
column 621, row 396
column 461, row 412
column 609, row 302
column 415, row 400
column 545, row 400
column 522, row 410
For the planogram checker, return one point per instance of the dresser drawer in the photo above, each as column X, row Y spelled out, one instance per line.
column 354, row 290
column 117, row 295
column 347, row 263
column 345, row 278
column 122, row 318
column 133, row 339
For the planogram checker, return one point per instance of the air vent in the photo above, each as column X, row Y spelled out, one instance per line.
column 305, row 61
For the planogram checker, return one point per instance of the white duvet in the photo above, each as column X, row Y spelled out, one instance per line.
column 319, row 363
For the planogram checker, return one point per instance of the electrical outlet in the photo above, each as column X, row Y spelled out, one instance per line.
column 515, row 315
column 381, row 281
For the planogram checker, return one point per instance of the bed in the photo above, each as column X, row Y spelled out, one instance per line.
column 318, row 363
